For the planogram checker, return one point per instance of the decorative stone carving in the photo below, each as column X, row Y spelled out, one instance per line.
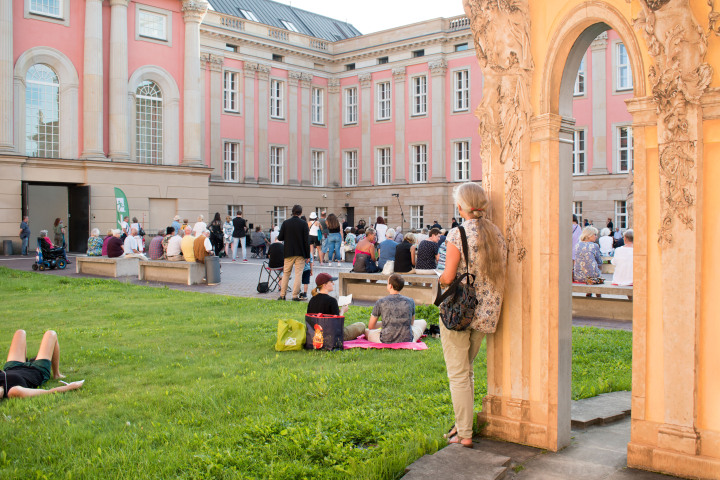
column 213, row 62
column 263, row 71
column 294, row 78
column 249, row 69
column 365, row 80
column 398, row 74
column 305, row 80
column 501, row 30
column 438, row 67
column 714, row 18
column 333, row 85
column 194, row 10
column 679, row 77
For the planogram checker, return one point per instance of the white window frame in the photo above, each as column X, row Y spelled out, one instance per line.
column 279, row 214
column 249, row 15
column 167, row 17
column 317, row 168
column 419, row 163
column 580, row 80
column 382, row 212
column 231, row 93
column 577, row 208
column 233, row 209
column 417, row 216
column 384, row 101
column 350, row 99
column 63, row 18
column 318, row 106
column 231, row 161
column 277, row 164
column 48, row 91
column 457, row 216
column 351, row 168
column 629, row 149
column 418, row 95
column 621, row 214
column 579, row 153
column 461, row 90
column 384, row 165
column 623, row 83
column 154, row 155
column 461, row 160
column 290, row 26
column 277, row 99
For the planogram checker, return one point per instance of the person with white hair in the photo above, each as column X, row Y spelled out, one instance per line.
column 200, row 226
column 399, row 235
column 587, row 257
column 131, row 247
column 387, row 248
column 95, row 244
column 606, row 242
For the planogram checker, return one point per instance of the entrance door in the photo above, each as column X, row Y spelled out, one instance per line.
column 350, row 216
column 79, row 217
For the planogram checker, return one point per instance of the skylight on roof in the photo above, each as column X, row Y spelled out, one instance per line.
column 249, row 15
column 290, row 26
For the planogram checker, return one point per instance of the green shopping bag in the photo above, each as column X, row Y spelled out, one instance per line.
column 290, row 336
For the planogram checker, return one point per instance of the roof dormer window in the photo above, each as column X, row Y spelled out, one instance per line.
column 248, row 15
column 290, row 26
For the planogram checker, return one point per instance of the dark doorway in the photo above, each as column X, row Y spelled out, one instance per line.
column 350, row 212
column 78, row 217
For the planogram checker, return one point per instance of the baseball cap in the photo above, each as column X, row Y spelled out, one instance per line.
column 323, row 278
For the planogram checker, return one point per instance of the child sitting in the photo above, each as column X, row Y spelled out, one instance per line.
column 398, row 316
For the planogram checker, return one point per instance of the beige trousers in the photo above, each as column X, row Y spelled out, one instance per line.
column 299, row 263
column 460, row 349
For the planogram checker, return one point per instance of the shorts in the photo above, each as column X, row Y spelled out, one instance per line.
column 306, row 277
column 42, row 366
column 314, row 240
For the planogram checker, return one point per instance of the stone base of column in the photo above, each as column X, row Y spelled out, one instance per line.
column 119, row 157
column 263, row 180
column 293, row 182
column 438, row 180
column 100, row 156
column 8, row 148
column 365, row 183
column 193, row 162
column 250, row 180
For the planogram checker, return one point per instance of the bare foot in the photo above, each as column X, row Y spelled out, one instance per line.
column 71, row 386
column 58, row 375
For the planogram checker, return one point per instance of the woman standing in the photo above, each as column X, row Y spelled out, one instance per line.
column 59, row 232
column 227, row 234
column 334, row 239
column 487, row 261
column 380, row 228
column 216, row 234
column 314, row 227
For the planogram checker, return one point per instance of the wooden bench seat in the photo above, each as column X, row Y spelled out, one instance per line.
column 373, row 286
column 187, row 273
column 603, row 307
column 107, row 267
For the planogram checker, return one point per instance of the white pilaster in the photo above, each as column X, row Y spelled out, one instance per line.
column 292, row 112
column 118, row 117
column 263, row 75
column 249, row 70
column 93, row 82
column 399, row 98
column 193, row 13
column 305, row 84
column 215, row 63
column 6, row 76
column 599, row 105
column 366, row 111
column 335, row 168
column 438, row 70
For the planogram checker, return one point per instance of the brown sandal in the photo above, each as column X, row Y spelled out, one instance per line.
column 456, row 439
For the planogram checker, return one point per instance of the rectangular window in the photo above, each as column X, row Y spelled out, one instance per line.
column 277, row 58
column 580, row 79
column 318, row 97
column 419, row 95
column 623, row 71
column 46, row 7
column 233, row 209
column 621, row 217
column 461, row 91
column 152, row 25
column 624, row 149
column 383, row 101
column 578, row 152
column 419, row 163
column 279, row 215
column 383, row 60
column 230, row 161
column 230, row 91
column 384, row 162
column 456, row 214
column 290, row 26
column 351, row 105
column 351, row 168
column 416, row 216
column 231, row 48
column 381, row 212
column 277, row 163
column 462, row 161
column 418, row 53
column 577, row 211
column 276, row 99
column 350, row 66
column 318, row 168
column 249, row 15
column 461, row 47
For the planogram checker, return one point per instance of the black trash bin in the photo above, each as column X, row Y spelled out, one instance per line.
column 7, row 247
column 212, row 270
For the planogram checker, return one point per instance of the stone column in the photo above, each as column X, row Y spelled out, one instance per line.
column 292, row 116
column 215, row 63
column 6, row 76
column 335, row 160
column 118, row 117
column 193, row 13
column 249, row 70
column 366, row 115
column 438, row 70
column 93, row 82
column 399, row 96
column 598, row 51
column 305, row 84
column 263, row 74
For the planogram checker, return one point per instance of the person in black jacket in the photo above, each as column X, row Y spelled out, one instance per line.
column 294, row 233
column 239, row 235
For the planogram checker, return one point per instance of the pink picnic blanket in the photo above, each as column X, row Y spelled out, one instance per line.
column 362, row 342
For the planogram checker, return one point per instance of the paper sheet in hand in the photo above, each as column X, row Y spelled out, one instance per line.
column 344, row 300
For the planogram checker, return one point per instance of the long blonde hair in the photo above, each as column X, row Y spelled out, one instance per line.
column 491, row 255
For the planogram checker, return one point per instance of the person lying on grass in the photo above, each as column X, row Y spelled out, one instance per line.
column 21, row 378
column 398, row 316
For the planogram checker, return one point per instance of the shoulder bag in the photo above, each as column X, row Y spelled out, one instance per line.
column 457, row 304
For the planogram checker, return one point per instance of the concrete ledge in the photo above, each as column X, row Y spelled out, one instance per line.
column 364, row 286
column 613, row 308
column 600, row 410
column 189, row 273
column 107, row 267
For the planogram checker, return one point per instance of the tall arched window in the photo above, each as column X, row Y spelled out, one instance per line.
column 148, row 123
column 42, row 112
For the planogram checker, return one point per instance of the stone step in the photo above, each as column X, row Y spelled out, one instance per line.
column 600, row 410
column 463, row 464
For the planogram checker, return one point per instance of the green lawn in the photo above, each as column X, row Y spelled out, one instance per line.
column 186, row 385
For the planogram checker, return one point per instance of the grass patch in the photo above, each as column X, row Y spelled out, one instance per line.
column 187, row 385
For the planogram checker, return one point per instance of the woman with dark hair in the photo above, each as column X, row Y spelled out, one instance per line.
column 334, row 239
column 380, row 228
column 59, row 232
column 216, row 233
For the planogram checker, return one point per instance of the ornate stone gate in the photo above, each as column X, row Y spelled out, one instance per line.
column 529, row 52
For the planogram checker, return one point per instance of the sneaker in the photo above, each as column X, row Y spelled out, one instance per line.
column 245, row 260
column 282, row 299
column 302, row 295
column 233, row 259
column 339, row 264
column 296, row 299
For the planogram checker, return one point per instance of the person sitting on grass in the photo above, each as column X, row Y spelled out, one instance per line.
column 322, row 302
column 398, row 316
column 21, row 378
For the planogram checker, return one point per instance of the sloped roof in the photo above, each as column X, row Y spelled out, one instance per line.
column 273, row 13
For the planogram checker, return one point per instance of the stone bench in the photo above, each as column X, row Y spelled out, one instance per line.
column 107, row 267
column 373, row 286
column 603, row 307
column 186, row 273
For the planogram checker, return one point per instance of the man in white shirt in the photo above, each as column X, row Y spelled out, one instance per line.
column 131, row 246
column 623, row 261
column 174, row 252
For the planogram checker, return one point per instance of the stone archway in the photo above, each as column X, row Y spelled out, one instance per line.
column 528, row 57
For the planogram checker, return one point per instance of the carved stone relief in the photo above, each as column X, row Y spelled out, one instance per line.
column 501, row 30
column 679, row 77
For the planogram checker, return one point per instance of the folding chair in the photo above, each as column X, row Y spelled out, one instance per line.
column 274, row 275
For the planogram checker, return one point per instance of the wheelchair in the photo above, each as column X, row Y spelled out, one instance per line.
column 48, row 258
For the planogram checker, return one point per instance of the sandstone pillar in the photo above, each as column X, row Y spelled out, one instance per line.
column 93, row 121
column 249, row 70
column 438, row 70
column 215, row 63
column 366, row 114
column 263, row 100
column 292, row 116
column 598, row 50
column 6, row 76
column 335, row 160
column 118, row 117
column 399, row 96
column 193, row 13
column 305, row 92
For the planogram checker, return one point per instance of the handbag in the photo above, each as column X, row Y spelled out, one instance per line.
column 457, row 304
column 263, row 287
column 290, row 336
column 389, row 267
column 324, row 332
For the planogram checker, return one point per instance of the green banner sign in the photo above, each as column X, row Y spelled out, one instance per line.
column 122, row 208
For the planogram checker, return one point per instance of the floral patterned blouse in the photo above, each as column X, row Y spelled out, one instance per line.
column 587, row 261
column 95, row 245
column 490, row 297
